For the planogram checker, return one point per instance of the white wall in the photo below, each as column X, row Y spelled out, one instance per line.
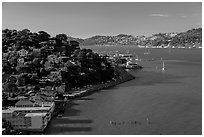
column 36, row 122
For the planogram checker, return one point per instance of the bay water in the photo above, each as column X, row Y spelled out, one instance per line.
column 156, row 102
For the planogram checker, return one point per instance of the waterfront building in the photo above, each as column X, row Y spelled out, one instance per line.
column 27, row 115
column 36, row 121
column 125, row 55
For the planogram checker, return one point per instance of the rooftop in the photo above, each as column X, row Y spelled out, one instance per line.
column 35, row 114
column 12, row 109
column 7, row 111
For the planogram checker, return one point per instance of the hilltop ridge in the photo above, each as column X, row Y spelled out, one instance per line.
column 189, row 38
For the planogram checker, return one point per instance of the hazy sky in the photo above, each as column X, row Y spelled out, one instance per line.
column 87, row 19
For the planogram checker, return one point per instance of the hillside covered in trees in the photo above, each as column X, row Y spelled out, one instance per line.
column 40, row 60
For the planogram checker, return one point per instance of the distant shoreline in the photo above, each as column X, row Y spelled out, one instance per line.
column 142, row 47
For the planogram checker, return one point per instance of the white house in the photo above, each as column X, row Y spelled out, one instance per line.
column 22, row 52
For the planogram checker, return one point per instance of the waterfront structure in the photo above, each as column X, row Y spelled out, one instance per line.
column 29, row 115
column 131, row 65
column 125, row 55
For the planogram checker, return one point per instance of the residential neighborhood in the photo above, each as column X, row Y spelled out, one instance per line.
column 38, row 70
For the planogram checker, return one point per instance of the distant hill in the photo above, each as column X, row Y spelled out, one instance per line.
column 120, row 39
column 190, row 38
column 76, row 39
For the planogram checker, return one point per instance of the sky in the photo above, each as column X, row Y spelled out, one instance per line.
column 87, row 19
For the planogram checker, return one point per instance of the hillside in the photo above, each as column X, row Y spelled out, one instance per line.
column 190, row 38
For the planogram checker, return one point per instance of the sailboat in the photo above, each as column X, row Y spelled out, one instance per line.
column 163, row 68
column 136, row 59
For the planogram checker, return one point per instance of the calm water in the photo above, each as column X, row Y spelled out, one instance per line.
column 170, row 99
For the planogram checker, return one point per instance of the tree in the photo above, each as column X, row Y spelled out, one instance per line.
column 43, row 36
column 61, row 38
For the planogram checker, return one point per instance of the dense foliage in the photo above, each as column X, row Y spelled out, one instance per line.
column 33, row 56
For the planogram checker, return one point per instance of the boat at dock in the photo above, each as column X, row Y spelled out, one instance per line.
column 132, row 65
column 126, row 56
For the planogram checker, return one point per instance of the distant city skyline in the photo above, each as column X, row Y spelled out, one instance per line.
column 83, row 20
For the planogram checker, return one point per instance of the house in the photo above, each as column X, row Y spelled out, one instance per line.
column 24, row 103
column 5, row 56
column 20, row 97
column 48, row 65
column 63, row 59
column 21, row 61
column 21, row 81
column 49, row 93
column 12, row 79
column 48, row 88
column 36, row 53
column 22, row 89
column 22, row 52
column 45, row 52
column 55, row 75
column 52, row 42
column 63, row 69
column 53, row 58
column 70, row 63
column 61, row 89
column 38, row 100
column 25, row 68
column 10, row 88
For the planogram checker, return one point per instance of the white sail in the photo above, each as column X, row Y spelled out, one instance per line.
column 163, row 67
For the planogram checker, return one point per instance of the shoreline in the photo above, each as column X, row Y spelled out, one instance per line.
column 124, row 76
